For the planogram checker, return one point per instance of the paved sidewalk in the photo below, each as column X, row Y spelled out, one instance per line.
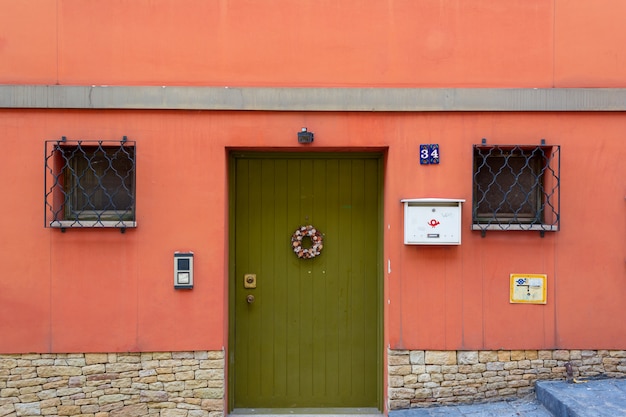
column 526, row 407
column 593, row 398
column 589, row 398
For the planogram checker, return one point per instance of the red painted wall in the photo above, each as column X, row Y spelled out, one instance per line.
column 441, row 43
column 100, row 290
column 94, row 290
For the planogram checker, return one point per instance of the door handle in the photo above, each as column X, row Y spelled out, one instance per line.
column 250, row 299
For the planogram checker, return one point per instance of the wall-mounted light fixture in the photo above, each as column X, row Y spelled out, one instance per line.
column 304, row 136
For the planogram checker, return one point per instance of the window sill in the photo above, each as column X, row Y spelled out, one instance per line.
column 505, row 227
column 72, row 224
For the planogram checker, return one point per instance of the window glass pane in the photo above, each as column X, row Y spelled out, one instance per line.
column 101, row 180
column 507, row 184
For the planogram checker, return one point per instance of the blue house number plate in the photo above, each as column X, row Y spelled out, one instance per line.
column 429, row 154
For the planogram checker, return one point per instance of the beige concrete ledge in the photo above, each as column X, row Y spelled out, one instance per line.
column 312, row 99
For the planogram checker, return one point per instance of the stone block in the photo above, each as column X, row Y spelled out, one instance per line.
column 544, row 354
column 174, row 386
column 504, row 355
column 20, row 383
column 28, row 398
column 212, row 404
column 485, row 356
column 479, row 367
column 153, row 396
column 399, row 370
column 135, row 410
column 531, row 354
column 215, row 354
column 8, row 363
column 518, row 383
column 449, row 369
column 442, row 392
column 6, row 409
column 129, row 357
column 418, row 369
column 575, row 355
column 49, row 411
column 467, row 357
column 96, row 358
column 424, row 378
column 58, row 370
column 27, row 409
column 208, row 393
column 464, row 391
column 465, row 369
column 433, row 369
column 68, row 410
column 423, row 393
column 185, row 375
column 440, row 357
column 401, row 393
column 9, row 392
column 112, row 398
column 198, row 413
column 495, row 366
column 518, row 355
column 561, row 355
column 399, row 404
column 161, row 355
column 417, row 357
column 169, row 363
column 550, row 363
column 212, row 364
column 398, row 360
column 507, row 392
column 436, row 377
column 536, row 363
column 89, row 409
column 173, row 412
column 166, row 377
column 209, row 374
column 66, row 392
column 396, row 381
column 195, row 383
column 119, row 367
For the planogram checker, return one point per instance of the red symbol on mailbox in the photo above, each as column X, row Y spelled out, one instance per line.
column 433, row 223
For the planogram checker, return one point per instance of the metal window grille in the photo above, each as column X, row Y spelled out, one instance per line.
column 89, row 183
column 516, row 188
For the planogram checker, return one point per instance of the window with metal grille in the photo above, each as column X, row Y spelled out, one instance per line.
column 516, row 187
column 90, row 183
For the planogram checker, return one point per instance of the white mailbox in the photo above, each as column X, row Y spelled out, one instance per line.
column 432, row 221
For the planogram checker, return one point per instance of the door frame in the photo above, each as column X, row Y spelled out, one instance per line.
column 233, row 155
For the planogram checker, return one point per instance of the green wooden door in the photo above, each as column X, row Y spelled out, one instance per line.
column 311, row 338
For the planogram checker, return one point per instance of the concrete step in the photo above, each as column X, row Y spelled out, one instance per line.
column 583, row 398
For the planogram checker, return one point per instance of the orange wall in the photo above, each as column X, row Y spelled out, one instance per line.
column 478, row 43
column 88, row 290
column 100, row 290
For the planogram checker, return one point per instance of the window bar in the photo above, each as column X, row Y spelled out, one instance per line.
column 516, row 187
column 90, row 183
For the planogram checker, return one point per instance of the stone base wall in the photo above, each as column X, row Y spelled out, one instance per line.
column 168, row 384
column 420, row 378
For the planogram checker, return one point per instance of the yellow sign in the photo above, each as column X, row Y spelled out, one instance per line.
column 528, row 288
